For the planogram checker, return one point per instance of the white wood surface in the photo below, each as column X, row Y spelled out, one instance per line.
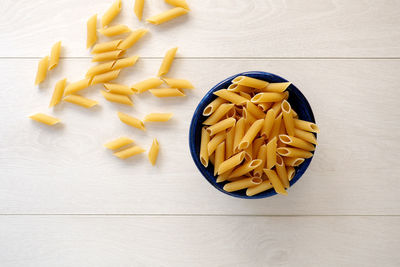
column 66, row 201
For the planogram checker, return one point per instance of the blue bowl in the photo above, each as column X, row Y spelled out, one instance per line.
column 296, row 99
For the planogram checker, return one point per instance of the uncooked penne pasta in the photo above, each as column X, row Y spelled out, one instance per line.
column 277, row 87
column 42, row 70
column 116, row 98
column 132, row 39
column 245, row 95
column 306, row 136
column 213, row 106
column 248, row 153
column 267, row 97
column 105, row 77
column 91, row 31
column 132, row 121
column 287, row 117
column 80, row 100
column 262, row 155
column 306, row 126
column 250, row 82
column 153, row 152
column 118, row 89
column 223, row 177
column 294, row 152
column 118, row 143
column 43, row 118
column 55, row 55
column 167, row 15
column 232, row 97
column 254, row 110
column 268, row 123
column 58, row 92
column 115, row 30
column 111, row 13
column 234, row 87
column 124, row 62
column 293, row 162
column 275, row 181
column 230, row 135
column 291, row 172
column 212, row 159
column 231, row 163
column 166, row 92
column 251, row 134
column 248, row 117
column 99, row 69
column 281, row 171
column 271, row 153
column 178, row 3
column 239, row 133
column 296, row 142
column 276, row 127
column 215, row 141
column 205, row 139
column 158, row 117
column 110, row 55
column 264, row 186
column 147, row 84
column 138, row 8
column 74, row 87
column 221, row 111
column 242, row 184
column 219, row 156
column 245, row 168
column 105, row 47
column 257, row 143
column 129, row 152
column 276, row 107
column 178, row 83
column 167, row 61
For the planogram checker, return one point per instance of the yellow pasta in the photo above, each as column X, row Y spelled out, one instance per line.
column 291, row 172
column 122, row 99
column 276, row 127
column 105, row 47
column 234, row 87
column 129, row 152
column 178, row 3
column 167, row 15
column 132, row 39
column 110, row 55
column 268, row 123
column 91, row 31
column 277, row 87
column 55, row 55
column 167, row 61
column 296, row 142
column 306, row 136
column 158, row 117
column 43, row 118
column 250, row 82
column 124, row 62
column 231, row 163
column 118, row 89
column 281, row 171
column 275, row 181
column 105, row 77
column 264, row 186
column 99, row 69
column 287, row 117
column 232, row 97
column 251, row 134
column 230, row 136
column 219, row 156
column 224, row 176
column 293, row 162
column 72, row 88
column 145, row 85
column 267, row 97
column 111, row 13
column 58, row 92
column 118, row 143
column 213, row 106
column 205, row 139
column 294, row 152
column 248, row 153
column 166, row 92
column 239, row 133
column 248, row 117
column 264, row 106
column 178, row 83
column 271, row 153
column 81, row 101
column 153, row 152
column 306, row 126
column 245, row 95
column 132, row 121
column 215, row 141
column 115, row 30
column 262, row 155
column 42, row 70
column 254, row 110
column 276, row 107
column 245, row 168
column 242, row 184
column 138, row 8
column 257, row 143
column 221, row 111
column 212, row 159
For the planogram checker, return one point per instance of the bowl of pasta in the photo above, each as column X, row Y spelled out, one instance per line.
column 253, row 135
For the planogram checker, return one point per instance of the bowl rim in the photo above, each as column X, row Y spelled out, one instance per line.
column 196, row 120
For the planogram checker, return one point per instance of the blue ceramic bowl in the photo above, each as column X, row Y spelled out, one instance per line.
column 296, row 99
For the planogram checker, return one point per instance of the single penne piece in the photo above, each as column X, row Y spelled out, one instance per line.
column 105, row 77
column 268, row 123
column 306, row 136
column 43, row 118
column 271, row 153
column 219, row 156
column 221, row 111
column 285, row 95
column 167, row 61
column 55, row 55
column 248, row 117
column 262, row 155
column 114, row 30
column 250, row 82
column 214, row 142
column 42, row 70
column 251, row 134
column 276, row 127
column 287, row 117
column 205, row 139
column 110, row 55
column 232, row 97
column 153, row 152
column 267, row 97
column 231, row 113
column 281, row 171
column 58, row 92
column 118, row 89
column 291, row 172
column 132, row 39
column 294, row 152
column 178, row 3
column 212, row 159
column 213, row 106
column 167, row 15
column 74, row 87
column 245, row 168
column 306, row 126
column 277, row 87
column 178, row 83
column 293, row 162
column 254, row 110
column 264, row 186
column 282, row 130
column 80, row 101
column 257, row 143
column 166, row 92
column 245, row 95
column 118, row 143
column 105, row 47
column 125, row 62
column 230, row 135
column 99, row 69
column 294, row 114
column 129, row 152
column 239, row 133
column 275, row 181
column 264, row 106
column 111, row 13
column 91, row 31
column 224, row 176
column 296, row 142
column 242, row 184
column 276, row 107
column 249, row 152
column 234, row 87
column 138, row 8
column 147, row 84
column 158, row 117
column 132, row 121
column 116, row 98
column 231, row 163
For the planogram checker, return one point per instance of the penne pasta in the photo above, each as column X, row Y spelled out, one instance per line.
column 111, row 13
column 153, row 152
column 245, row 95
column 268, row 123
column 221, row 111
column 276, row 127
column 287, row 117
column 118, row 143
column 257, row 143
column 254, row 110
column 145, row 85
column 118, row 89
column 281, row 171
column 132, row 121
column 167, row 15
column 138, row 8
column 42, row 70
column 81, row 101
column 262, row 155
column 245, row 168
column 276, row 107
column 114, row 30
column 306, row 126
column 213, row 106
column 291, row 172
column 231, row 163
column 43, row 118
column 249, row 152
column 55, row 55
column 110, row 55
column 267, row 97
column 239, row 133
column 166, row 92
column 212, row 159
column 251, row 134
column 271, row 153
column 229, row 142
column 223, row 177
column 99, row 69
column 248, row 117
column 214, row 142
column 178, row 3
column 306, row 136
column 124, row 62
column 275, row 181
column 242, row 184
column 234, row 87
column 158, row 117
column 106, row 47
column 72, row 88
column 293, row 162
column 219, row 156
column 205, row 139
column 129, row 152
column 116, row 98
column 167, row 61
column 231, row 97
column 277, row 87
column 132, row 39
column 296, row 142
column 91, row 31
column 250, row 82
column 58, row 92
column 294, row 152
column 264, row 186
column 178, row 83
column 105, row 77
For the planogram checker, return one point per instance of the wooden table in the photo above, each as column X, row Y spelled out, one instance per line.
column 66, row 201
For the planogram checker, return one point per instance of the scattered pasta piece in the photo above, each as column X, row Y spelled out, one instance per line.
column 114, row 30
column 55, row 55
column 58, row 92
column 178, row 83
column 132, row 39
column 43, row 118
column 91, row 31
column 138, row 8
column 72, row 88
column 99, row 69
column 158, row 117
column 153, row 152
column 105, row 47
column 178, row 3
column 42, row 70
column 110, row 55
column 124, row 62
column 147, row 84
column 166, row 92
column 118, row 89
column 111, row 13
column 81, row 101
column 105, row 77
column 118, row 143
column 132, row 121
column 167, row 15
column 122, row 99
column 129, row 152
column 167, row 61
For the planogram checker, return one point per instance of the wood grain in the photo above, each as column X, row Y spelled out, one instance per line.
column 236, row 28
